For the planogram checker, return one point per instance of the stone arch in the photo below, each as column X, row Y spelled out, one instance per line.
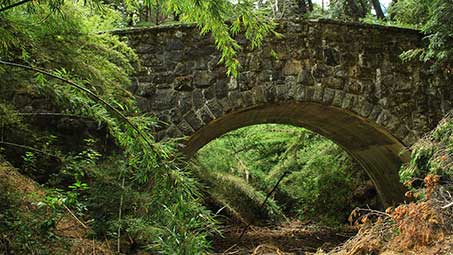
column 379, row 153
column 345, row 81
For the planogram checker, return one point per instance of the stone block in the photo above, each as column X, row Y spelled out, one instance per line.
column 331, row 57
column 226, row 104
column 338, row 98
column 270, row 92
column 146, row 89
column 174, row 132
column 183, row 83
column 410, row 138
column 292, row 67
column 332, row 82
column 183, row 68
column 366, row 109
column 259, row 95
column 204, row 114
column 203, row 78
column 348, row 101
column 198, row 99
column 193, row 120
column 318, row 94
column 233, row 83
column 328, row 96
column 209, row 92
column 163, row 99
column 281, row 92
column 235, row 99
column 309, row 93
column 185, row 128
column 215, row 108
column 221, row 88
column 383, row 118
column 184, row 102
column 375, row 112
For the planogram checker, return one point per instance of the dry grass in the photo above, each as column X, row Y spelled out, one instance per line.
column 267, row 249
column 423, row 227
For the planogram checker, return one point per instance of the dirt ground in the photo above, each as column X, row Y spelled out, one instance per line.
column 293, row 237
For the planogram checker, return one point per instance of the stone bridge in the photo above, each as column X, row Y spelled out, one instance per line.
column 343, row 81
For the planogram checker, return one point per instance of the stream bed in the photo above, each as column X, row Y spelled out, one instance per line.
column 292, row 237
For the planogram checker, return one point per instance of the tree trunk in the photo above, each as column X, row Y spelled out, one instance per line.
column 310, row 5
column 353, row 10
column 302, row 7
column 175, row 16
column 363, row 6
column 157, row 12
column 357, row 9
column 378, row 9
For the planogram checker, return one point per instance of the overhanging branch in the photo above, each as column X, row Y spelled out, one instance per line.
column 14, row 5
column 89, row 93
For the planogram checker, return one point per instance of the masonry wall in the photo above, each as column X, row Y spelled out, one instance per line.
column 350, row 66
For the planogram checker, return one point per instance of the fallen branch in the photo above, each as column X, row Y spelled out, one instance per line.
column 75, row 217
column 25, row 147
column 262, row 204
column 447, row 205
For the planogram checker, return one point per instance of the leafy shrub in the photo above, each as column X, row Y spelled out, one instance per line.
column 432, row 154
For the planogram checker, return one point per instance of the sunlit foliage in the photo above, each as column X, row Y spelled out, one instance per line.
column 321, row 177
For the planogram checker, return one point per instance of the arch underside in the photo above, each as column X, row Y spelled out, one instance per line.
column 379, row 153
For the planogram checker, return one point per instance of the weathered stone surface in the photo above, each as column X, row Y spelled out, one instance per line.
column 292, row 67
column 344, row 81
column 203, row 78
column 193, row 120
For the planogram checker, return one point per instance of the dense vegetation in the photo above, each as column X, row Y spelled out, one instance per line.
column 69, row 124
column 318, row 185
column 135, row 185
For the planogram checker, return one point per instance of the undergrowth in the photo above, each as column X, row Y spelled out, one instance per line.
column 92, row 151
column 322, row 183
column 424, row 225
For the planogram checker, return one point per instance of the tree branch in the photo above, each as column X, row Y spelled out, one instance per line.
column 14, row 5
column 25, row 147
column 89, row 93
column 448, row 205
column 262, row 205
column 52, row 114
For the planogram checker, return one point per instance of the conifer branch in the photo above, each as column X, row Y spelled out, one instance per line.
column 89, row 93
column 14, row 5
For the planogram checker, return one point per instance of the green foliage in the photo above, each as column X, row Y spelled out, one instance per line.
column 210, row 17
column 325, row 183
column 349, row 9
column 411, row 12
column 247, row 162
column 434, row 18
column 433, row 154
column 53, row 5
column 146, row 182
column 22, row 230
column 238, row 198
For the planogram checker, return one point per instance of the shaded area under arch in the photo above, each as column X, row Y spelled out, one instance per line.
column 379, row 153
